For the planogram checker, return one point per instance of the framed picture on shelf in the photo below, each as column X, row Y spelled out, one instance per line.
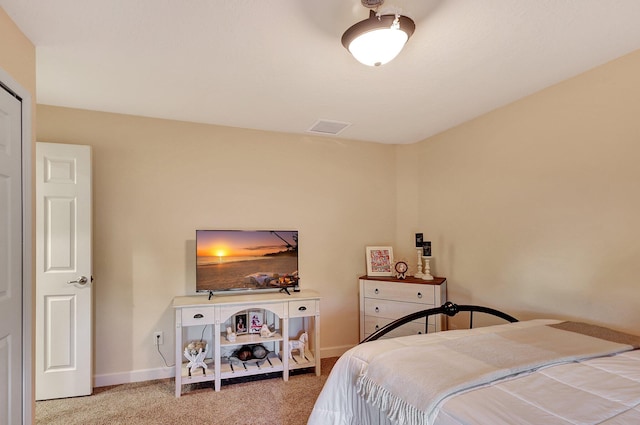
column 240, row 323
column 379, row 261
column 256, row 319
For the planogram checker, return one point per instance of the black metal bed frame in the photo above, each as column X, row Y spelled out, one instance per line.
column 450, row 309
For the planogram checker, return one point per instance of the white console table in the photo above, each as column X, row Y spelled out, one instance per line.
column 291, row 315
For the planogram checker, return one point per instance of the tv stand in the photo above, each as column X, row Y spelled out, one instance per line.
column 291, row 313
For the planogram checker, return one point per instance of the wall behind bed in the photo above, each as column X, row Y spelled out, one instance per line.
column 534, row 208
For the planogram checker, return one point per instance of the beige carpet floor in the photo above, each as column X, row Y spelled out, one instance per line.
column 264, row 402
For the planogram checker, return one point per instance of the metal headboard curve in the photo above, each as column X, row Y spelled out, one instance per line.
column 450, row 309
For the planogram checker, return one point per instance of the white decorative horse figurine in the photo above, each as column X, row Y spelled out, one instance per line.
column 298, row 345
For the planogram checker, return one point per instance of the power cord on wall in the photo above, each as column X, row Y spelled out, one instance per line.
column 160, row 352
column 203, row 329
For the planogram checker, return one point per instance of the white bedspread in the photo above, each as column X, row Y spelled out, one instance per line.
column 598, row 391
column 339, row 402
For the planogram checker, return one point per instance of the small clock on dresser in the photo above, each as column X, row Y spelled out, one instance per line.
column 401, row 269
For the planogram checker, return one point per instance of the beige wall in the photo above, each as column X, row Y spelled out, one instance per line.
column 534, row 208
column 17, row 54
column 156, row 181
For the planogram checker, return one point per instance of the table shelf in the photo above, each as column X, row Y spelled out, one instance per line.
column 235, row 369
column 249, row 339
column 199, row 375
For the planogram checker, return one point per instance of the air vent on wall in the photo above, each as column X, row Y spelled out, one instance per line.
column 327, row 127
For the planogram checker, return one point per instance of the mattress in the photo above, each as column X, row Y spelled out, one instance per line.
column 598, row 386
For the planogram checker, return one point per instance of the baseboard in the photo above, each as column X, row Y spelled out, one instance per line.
column 334, row 351
column 163, row 373
column 133, row 376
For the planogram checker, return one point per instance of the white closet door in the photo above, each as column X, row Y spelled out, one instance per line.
column 10, row 259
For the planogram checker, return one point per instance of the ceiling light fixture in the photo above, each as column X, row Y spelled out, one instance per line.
column 379, row 39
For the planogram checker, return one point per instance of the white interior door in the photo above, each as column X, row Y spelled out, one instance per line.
column 11, row 366
column 64, row 343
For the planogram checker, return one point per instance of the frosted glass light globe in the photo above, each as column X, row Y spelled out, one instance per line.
column 378, row 47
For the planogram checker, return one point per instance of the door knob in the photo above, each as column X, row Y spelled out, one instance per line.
column 81, row 281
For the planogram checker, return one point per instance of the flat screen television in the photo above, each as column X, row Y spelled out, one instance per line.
column 243, row 260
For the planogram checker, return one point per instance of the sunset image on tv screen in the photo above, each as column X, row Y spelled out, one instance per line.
column 235, row 259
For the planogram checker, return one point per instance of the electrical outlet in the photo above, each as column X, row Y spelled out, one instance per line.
column 158, row 338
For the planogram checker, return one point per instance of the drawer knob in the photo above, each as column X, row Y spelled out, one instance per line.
column 377, row 327
column 376, row 291
column 419, row 294
column 377, row 309
column 198, row 316
column 302, row 308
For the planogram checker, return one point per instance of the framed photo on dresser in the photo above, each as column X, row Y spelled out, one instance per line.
column 379, row 260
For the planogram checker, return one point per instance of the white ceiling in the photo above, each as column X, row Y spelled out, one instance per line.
column 279, row 65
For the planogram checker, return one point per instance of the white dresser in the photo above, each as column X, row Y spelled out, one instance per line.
column 385, row 299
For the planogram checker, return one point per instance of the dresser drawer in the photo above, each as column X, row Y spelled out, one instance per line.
column 372, row 324
column 197, row 315
column 390, row 309
column 406, row 292
column 383, row 300
column 303, row 308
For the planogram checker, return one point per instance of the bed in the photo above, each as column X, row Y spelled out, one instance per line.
column 528, row 372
